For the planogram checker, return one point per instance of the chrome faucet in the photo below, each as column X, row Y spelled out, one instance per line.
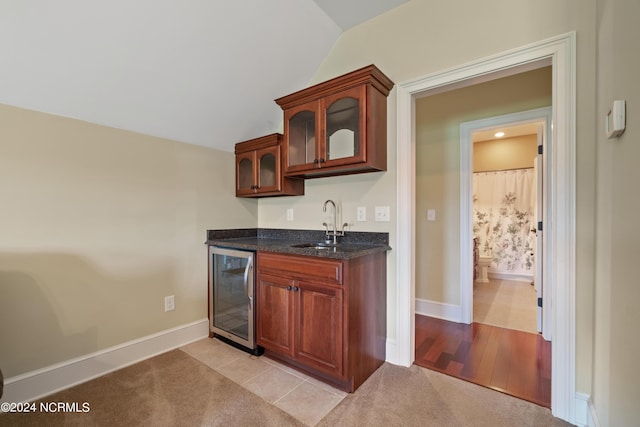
column 335, row 232
column 335, row 219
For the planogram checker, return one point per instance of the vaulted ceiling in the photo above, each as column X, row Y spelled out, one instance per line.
column 198, row 71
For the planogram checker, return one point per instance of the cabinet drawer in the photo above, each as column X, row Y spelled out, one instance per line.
column 304, row 268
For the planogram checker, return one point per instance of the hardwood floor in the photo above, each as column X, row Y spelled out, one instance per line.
column 513, row 362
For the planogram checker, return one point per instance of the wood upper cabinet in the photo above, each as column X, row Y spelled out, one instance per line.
column 259, row 169
column 325, row 316
column 337, row 127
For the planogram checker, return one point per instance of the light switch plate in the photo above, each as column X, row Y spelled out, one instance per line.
column 169, row 303
column 361, row 214
column 614, row 124
column 383, row 214
column 290, row 214
column 431, row 215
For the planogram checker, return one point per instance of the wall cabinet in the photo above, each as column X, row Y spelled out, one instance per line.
column 337, row 127
column 259, row 170
column 324, row 316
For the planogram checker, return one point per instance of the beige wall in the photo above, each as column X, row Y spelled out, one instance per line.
column 507, row 153
column 423, row 37
column 438, row 120
column 616, row 390
column 97, row 226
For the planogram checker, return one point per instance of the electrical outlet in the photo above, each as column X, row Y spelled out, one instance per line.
column 431, row 214
column 362, row 214
column 290, row 214
column 383, row 214
column 169, row 303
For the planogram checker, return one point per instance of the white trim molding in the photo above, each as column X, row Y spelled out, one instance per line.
column 466, row 205
column 405, row 226
column 586, row 411
column 561, row 51
column 34, row 385
column 440, row 310
column 391, row 351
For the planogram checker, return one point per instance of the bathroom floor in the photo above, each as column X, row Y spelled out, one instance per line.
column 506, row 303
column 301, row 396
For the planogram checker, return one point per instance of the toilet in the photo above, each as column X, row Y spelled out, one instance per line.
column 483, row 266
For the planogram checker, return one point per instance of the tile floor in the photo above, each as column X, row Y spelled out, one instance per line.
column 303, row 397
column 506, row 303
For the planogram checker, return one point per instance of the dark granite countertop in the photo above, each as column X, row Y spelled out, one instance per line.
column 351, row 245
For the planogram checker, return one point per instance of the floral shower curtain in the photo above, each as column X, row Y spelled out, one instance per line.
column 504, row 212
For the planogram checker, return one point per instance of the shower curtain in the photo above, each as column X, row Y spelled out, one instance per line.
column 504, row 212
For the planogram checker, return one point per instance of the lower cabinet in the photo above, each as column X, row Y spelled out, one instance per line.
column 274, row 324
column 327, row 317
column 301, row 320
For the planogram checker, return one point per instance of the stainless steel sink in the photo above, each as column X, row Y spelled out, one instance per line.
column 326, row 246
column 317, row 245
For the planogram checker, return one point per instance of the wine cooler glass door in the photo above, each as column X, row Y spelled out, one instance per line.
column 232, row 295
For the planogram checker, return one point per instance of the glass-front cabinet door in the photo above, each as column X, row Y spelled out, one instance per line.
column 328, row 132
column 245, row 183
column 302, row 130
column 344, row 128
column 259, row 169
column 268, row 169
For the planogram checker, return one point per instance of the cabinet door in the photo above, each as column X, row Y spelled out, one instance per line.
column 245, row 173
column 319, row 337
column 302, row 129
column 268, row 162
column 275, row 314
column 344, row 117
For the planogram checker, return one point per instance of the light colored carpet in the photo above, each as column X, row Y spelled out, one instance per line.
column 174, row 389
column 415, row 396
column 505, row 303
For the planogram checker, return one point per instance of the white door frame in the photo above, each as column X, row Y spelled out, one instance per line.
column 466, row 206
column 562, row 52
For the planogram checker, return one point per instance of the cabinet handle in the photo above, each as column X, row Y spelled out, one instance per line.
column 315, row 161
column 296, row 289
column 288, row 288
column 322, row 160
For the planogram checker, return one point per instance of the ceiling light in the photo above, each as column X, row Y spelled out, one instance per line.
column 499, row 134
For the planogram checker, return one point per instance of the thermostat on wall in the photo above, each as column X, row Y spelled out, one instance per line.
column 615, row 122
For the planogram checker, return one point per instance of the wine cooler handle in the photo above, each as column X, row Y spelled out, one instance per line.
column 247, row 269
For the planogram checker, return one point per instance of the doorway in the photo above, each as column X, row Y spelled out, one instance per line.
column 488, row 356
column 560, row 51
column 509, row 233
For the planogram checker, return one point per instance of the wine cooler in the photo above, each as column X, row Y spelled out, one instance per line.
column 231, row 297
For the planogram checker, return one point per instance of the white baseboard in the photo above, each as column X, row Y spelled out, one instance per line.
column 392, row 352
column 440, row 310
column 508, row 276
column 586, row 411
column 36, row 384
